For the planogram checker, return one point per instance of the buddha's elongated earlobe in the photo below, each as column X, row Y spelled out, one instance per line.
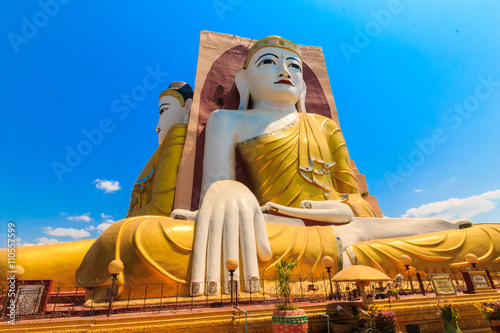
column 301, row 104
column 188, row 105
column 241, row 80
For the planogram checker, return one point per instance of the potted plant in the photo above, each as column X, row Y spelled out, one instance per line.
column 395, row 293
column 286, row 317
column 450, row 316
column 491, row 312
column 381, row 320
column 360, row 319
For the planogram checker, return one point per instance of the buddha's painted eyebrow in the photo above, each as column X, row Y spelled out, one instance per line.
column 274, row 55
column 164, row 104
column 293, row 59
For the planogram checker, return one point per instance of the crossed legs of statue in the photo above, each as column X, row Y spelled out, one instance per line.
column 230, row 220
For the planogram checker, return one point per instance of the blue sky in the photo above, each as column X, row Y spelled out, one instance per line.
column 417, row 87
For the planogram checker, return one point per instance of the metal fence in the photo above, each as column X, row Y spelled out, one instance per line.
column 67, row 301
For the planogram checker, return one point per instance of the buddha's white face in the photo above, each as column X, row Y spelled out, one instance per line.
column 171, row 113
column 275, row 74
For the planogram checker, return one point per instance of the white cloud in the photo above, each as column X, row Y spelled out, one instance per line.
column 84, row 217
column 457, row 208
column 104, row 226
column 104, row 216
column 109, row 186
column 108, row 220
column 71, row 232
column 45, row 240
column 417, row 190
column 90, row 228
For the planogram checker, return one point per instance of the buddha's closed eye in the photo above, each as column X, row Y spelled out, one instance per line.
column 267, row 62
column 296, row 66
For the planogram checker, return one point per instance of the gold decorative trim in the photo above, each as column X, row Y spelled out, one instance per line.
column 170, row 92
column 272, row 41
column 265, row 135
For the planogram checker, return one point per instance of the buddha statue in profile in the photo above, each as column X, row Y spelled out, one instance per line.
column 298, row 169
column 154, row 189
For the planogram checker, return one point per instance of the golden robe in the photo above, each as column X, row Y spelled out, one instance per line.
column 153, row 192
column 306, row 160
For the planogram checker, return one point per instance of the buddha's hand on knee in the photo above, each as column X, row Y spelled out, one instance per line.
column 229, row 219
column 323, row 211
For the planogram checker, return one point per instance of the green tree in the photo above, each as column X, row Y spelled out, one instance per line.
column 283, row 273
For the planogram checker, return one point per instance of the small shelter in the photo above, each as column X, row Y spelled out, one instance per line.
column 362, row 275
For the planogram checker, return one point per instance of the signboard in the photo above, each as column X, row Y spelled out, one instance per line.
column 480, row 280
column 443, row 285
column 28, row 297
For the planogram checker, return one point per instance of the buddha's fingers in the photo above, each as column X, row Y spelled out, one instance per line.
column 199, row 255
column 336, row 213
column 312, row 204
column 230, row 245
column 214, row 250
column 462, row 223
column 248, row 247
column 183, row 214
column 262, row 241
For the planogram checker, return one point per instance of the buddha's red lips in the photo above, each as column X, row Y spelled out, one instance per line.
column 284, row 82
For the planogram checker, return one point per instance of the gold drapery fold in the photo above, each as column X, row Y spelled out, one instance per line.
column 432, row 251
column 154, row 189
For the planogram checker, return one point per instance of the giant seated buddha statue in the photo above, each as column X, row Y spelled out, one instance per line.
column 297, row 168
column 301, row 200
